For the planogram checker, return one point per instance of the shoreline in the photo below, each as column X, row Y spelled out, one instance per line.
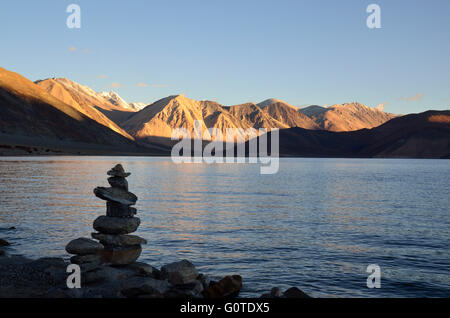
column 45, row 155
column 106, row 264
column 47, row 277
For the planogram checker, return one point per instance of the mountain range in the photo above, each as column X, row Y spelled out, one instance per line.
column 58, row 115
column 346, row 117
column 423, row 135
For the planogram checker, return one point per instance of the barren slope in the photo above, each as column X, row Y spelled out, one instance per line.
column 346, row 117
column 82, row 99
column 252, row 115
column 162, row 117
column 287, row 114
column 28, row 110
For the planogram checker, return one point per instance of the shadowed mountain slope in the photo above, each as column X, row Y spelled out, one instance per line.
column 84, row 100
column 28, row 112
column 424, row 135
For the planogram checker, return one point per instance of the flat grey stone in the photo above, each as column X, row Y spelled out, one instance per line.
column 116, row 195
column 83, row 246
column 116, row 225
column 119, row 240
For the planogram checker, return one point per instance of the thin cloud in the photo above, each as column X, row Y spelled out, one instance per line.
column 417, row 97
column 102, row 76
column 142, row 84
column 115, row 85
column 84, row 51
column 159, row 85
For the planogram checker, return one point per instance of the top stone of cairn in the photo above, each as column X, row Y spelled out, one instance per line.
column 118, row 171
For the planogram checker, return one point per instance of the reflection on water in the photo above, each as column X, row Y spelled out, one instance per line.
column 316, row 224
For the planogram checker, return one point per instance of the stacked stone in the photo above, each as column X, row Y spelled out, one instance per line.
column 114, row 229
column 117, row 246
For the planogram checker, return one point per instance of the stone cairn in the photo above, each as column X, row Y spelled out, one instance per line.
column 117, row 247
column 108, row 261
column 109, row 266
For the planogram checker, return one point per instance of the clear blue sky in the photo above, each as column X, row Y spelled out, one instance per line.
column 304, row 52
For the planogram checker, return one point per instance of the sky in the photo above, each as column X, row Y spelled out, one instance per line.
column 304, row 52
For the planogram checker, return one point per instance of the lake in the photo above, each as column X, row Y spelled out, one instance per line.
column 316, row 224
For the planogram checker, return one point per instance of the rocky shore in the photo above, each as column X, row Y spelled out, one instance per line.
column 108, row 264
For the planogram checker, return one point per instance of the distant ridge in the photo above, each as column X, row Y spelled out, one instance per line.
column 253, row 116
column 346, row 117
column 272, row 101
column 287, row 114
column 423, row 135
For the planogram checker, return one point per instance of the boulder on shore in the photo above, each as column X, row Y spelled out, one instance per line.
column 4, row 242
column 228, row 287
column 138, row 286
column 294, row 292
column 179, row 273
column 143, row 269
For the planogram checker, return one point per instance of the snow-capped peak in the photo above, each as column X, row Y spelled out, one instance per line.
column 115, row 99
column 137, row 106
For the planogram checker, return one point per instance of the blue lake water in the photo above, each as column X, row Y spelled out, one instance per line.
column 316, row 224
